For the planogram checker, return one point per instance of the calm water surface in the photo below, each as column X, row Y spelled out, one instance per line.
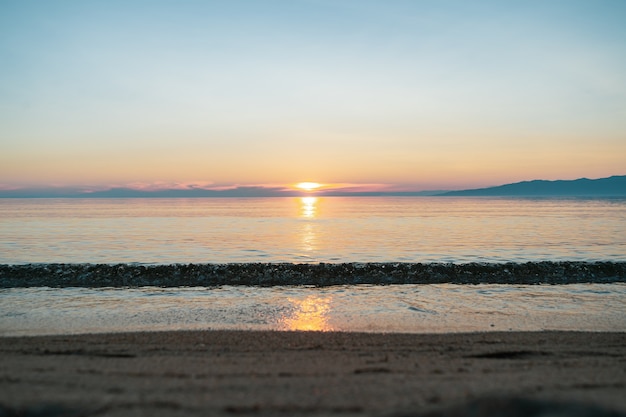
column 163, row 231
column 310, row 229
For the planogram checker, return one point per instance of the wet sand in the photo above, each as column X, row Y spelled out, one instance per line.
column 225, row 373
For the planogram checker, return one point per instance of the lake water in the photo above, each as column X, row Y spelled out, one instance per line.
column 312, row 230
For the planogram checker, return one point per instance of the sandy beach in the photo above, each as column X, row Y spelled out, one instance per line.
column 224, row 373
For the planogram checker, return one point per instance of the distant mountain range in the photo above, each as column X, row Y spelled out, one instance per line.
column 604, row 187
column 133, row 193
column 196, row 192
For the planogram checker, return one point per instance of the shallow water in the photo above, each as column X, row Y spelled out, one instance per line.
column 408, row 308
column 310, row 229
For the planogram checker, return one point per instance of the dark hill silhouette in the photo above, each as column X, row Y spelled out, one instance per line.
column 603, row 187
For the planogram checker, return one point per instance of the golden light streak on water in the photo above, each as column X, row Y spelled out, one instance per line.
column 308, row 207
column 309, row 238
column 311, row 314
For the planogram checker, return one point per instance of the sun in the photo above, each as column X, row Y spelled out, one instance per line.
column 308, row 186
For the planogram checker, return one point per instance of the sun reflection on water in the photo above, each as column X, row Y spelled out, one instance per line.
column 309, row 238
column 308, row 207
column 308, row 230
column 310, row 314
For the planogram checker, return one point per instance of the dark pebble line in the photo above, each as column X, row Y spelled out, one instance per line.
column 323, row 274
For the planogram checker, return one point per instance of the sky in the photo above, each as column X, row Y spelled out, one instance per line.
column 368, row 95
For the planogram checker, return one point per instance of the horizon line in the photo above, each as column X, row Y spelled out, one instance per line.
column 548, row 187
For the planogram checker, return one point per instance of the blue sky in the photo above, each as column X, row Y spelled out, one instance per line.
column 377, row 94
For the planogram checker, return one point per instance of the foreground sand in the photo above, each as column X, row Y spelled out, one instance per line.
column 223, row 373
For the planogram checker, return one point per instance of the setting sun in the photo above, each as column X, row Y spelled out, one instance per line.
column 308, row 186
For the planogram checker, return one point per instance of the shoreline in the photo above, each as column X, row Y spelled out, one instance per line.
column 225, row 373
column 314, row 274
